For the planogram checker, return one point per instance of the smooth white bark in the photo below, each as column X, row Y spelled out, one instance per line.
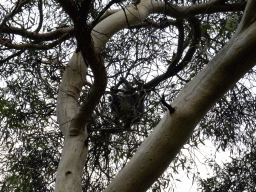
column 199, row 95
column 73, row 80
column 157, row 151
column 75, row 149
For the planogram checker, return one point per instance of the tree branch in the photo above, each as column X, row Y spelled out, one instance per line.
column 40, row 8
column 16, row 10
column 173, row 68
column 70, row 8
column 7, row 43
column 91, row 58
column 11, row 56
column 155, row 154
column 195, row 23
column 97, row 19
column 39, row 36
column 203, row 8
column 148, row 23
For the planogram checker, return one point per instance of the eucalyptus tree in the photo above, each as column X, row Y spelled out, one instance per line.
column 186, row 50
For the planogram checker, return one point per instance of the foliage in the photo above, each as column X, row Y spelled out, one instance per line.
column 238, row 175
column 31, row 74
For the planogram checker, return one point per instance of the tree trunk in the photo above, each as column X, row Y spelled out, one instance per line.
column 75, row 149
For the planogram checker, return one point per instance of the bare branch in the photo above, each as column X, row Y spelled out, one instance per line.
column 148, row 23
column 197, row 36
column 40, row 8
column 91, row 58
column 209, row 7
column 11, row 56
column 213, row 7
column 37, row 36
column 173, row 68
column 16, row 10
column 9, row 44
column 103, row 12
column 70, row 8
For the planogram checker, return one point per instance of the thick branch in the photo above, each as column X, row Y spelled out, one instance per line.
column 73, row 79
column 249, row 17
column 96, row 91
column 203, row 8
column 40, row 8
column 91, row 57
column 39, row 36
column 70, row 8
column 9, row 44
column 206, row 8
column 160, row 148
column 75, row 149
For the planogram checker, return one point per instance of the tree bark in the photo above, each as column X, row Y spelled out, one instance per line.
column 197, row 97
column 75, row 149
column 157, row 151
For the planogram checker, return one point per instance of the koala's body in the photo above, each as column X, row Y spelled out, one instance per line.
column 127, row 106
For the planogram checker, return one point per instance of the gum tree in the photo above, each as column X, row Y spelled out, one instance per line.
column 81, row 103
